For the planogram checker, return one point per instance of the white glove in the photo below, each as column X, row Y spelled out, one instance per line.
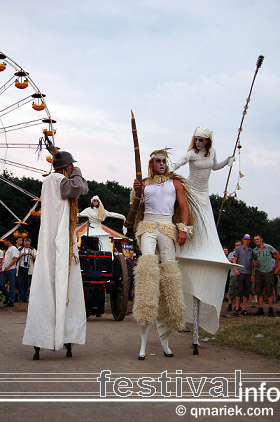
column 124, row 230
column 231, row 160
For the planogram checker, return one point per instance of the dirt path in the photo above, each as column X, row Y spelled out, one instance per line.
column 114, row 346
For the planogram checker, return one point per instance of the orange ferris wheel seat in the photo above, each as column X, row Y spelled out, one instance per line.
column 49, row 132
column 21, row 85
column 38, row 107
column 36, row 213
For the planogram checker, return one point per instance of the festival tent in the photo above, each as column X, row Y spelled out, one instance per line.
column 121, row 242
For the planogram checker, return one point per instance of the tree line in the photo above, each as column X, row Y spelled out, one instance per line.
column 237, row 218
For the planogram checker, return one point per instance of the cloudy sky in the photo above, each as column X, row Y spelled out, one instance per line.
column 176, row 64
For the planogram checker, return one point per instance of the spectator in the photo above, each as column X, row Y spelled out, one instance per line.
column 1, row 263
column 27, row 256
column 263, row 254
column 225, row 249
column 131, row 264
column 243, row 256
column 275, row 282
column 19, row 242
column 1, row 259
column 232, row 279
column 8, row 274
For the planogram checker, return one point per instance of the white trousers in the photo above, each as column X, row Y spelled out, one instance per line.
column 166, row 247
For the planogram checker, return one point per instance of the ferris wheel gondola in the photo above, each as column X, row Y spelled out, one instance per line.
column 18, row 113
column 23, row 110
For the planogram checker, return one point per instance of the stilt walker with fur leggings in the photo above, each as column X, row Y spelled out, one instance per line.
column 161, row 221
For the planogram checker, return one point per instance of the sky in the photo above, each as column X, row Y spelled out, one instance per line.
column 177, row 64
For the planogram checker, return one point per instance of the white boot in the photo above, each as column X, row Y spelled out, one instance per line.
column 144, row 332
column 163, row 333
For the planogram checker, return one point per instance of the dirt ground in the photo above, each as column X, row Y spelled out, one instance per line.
column 114, row 346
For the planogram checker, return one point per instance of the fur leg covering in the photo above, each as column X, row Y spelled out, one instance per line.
column 171, row 306
column 147, row 279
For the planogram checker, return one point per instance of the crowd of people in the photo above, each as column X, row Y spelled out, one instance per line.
column 16, row 269
column 258, row 279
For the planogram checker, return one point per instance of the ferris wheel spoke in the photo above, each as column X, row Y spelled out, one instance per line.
column 21, row 222
column 22, row 125
column 7, row 85
column 15, row 106
column 20, row 145
column 8, row 209
column 22, row 166
column 9, row 182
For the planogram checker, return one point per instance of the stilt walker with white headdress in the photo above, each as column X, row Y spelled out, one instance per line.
column 202, row 261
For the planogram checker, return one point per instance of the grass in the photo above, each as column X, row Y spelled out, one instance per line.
column 241, row 334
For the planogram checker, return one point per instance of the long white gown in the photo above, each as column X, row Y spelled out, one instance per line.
column 202, row 261
column 50, row 322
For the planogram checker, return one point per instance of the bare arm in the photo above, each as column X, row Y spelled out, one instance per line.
column 235, row 262
column 276, row 257
column 182, row 236
column 11, row 264
column 252, row 270
column 136, row 185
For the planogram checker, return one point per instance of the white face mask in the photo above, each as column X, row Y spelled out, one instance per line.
column 200, row 143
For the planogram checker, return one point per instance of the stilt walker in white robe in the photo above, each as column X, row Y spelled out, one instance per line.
column 96, row 214
column 202, row 261
column 158, row 291
column 56, row 312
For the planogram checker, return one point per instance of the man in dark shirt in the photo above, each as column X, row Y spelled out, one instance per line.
column 263, row 254
column 245, row 275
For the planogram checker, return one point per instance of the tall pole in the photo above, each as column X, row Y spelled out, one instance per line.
column 138, row 192
column 259, row 63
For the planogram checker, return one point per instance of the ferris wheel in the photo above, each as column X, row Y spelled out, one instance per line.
column 24, row 119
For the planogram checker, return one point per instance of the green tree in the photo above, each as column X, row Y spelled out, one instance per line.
column 237, row 219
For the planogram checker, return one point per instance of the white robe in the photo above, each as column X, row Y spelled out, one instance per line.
column 202, row 261
column 50, row 323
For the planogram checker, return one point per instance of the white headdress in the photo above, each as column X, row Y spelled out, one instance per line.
column 202, row 132
column 100, row 210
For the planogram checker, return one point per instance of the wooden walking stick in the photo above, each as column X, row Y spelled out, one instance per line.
column 138, row 192
column 259, row 63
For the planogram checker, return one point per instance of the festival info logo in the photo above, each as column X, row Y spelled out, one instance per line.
column 134, row 387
